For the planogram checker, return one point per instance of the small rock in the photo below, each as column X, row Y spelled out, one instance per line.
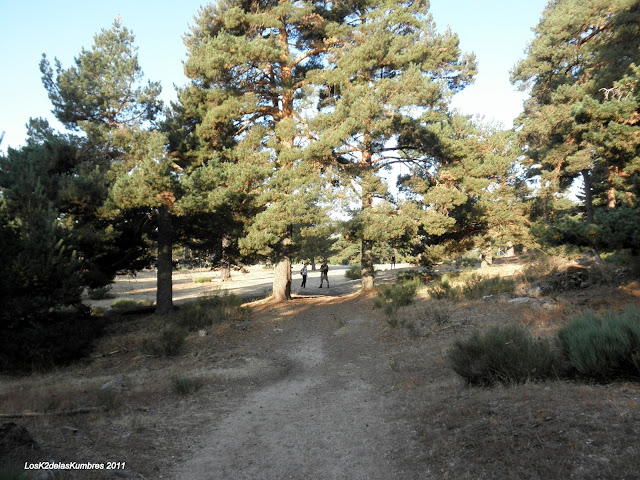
column 520, row 300
column 117, row 383
column 488, row 298
column 70, row 429
column 356, row 321
column 202, row 333
column 278, row 330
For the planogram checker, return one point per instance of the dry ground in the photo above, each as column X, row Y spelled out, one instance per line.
column 322, row 388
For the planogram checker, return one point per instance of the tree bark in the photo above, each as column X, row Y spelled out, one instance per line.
column 282, row 280
column 164, row 290
column 486, row 257
column 225, row 265
column 611, row 192
column 366, row 265
column 588, row 195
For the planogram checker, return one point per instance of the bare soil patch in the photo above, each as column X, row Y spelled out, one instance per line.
column 321, row 387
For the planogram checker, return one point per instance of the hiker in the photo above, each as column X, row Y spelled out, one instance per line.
column 393, row 262
column 324, row 274
column 303, row 272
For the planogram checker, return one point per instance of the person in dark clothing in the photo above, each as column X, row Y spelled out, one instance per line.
column 324, row 274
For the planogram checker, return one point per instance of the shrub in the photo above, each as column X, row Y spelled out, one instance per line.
column 211, row 311
column 100, row 293
column 468, row 261
column 423, row 276
column 202, row 280
column 353, row 273
column 471, row 287
column 57, row 338
column 185, row 385
column 604, row 347
column 443, row 289
column 129, row 303
column 392, row 297
column 503, row 354
column 167, row 343
column 477, row 286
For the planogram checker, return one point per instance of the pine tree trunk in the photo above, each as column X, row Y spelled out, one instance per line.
column 486, row 257
column 164, row 291
column 282, row 280
column 588, row 195
column 611, row 192
column 366, row 264
column 313, row 264
column 225, row 267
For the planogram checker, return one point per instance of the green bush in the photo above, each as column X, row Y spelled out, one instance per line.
column 167, row 343
column 442, row 289
column 353, row 273
column 477, row 286
column 57, row 338
column 423, row 276
column 100, row 293
column 468, row 261
column 211, row 310
column 503, row 354
column 604, row 347
column 185, row 385
column 129, row 303
column 202, row 280
column 392, row 297
column 470, row 287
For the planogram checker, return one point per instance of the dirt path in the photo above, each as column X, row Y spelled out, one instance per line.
column 331, row 415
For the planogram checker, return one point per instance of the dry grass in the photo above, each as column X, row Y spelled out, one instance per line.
column 537, row 430
column 554, row 429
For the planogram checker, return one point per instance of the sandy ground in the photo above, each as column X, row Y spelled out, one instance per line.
column 253, row 283
column 330, row 415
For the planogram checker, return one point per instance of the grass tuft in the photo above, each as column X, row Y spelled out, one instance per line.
column 213, row 310
column 393, row 297
column 169, row 342
column 186, row 385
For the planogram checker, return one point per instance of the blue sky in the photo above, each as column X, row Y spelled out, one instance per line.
column 496, row 30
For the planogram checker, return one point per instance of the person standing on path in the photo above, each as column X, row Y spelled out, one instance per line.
column 393, row 262
column 324, row 274
column 304, row 272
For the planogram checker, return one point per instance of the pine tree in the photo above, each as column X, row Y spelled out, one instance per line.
column 248, row 64
column 582, row 119
column 472, row 195
column 390, row 75
column 104, row 96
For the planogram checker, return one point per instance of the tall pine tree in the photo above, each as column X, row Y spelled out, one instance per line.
column 582, row 119
column 248, row 64
column 390, row 76
column 105, row 97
